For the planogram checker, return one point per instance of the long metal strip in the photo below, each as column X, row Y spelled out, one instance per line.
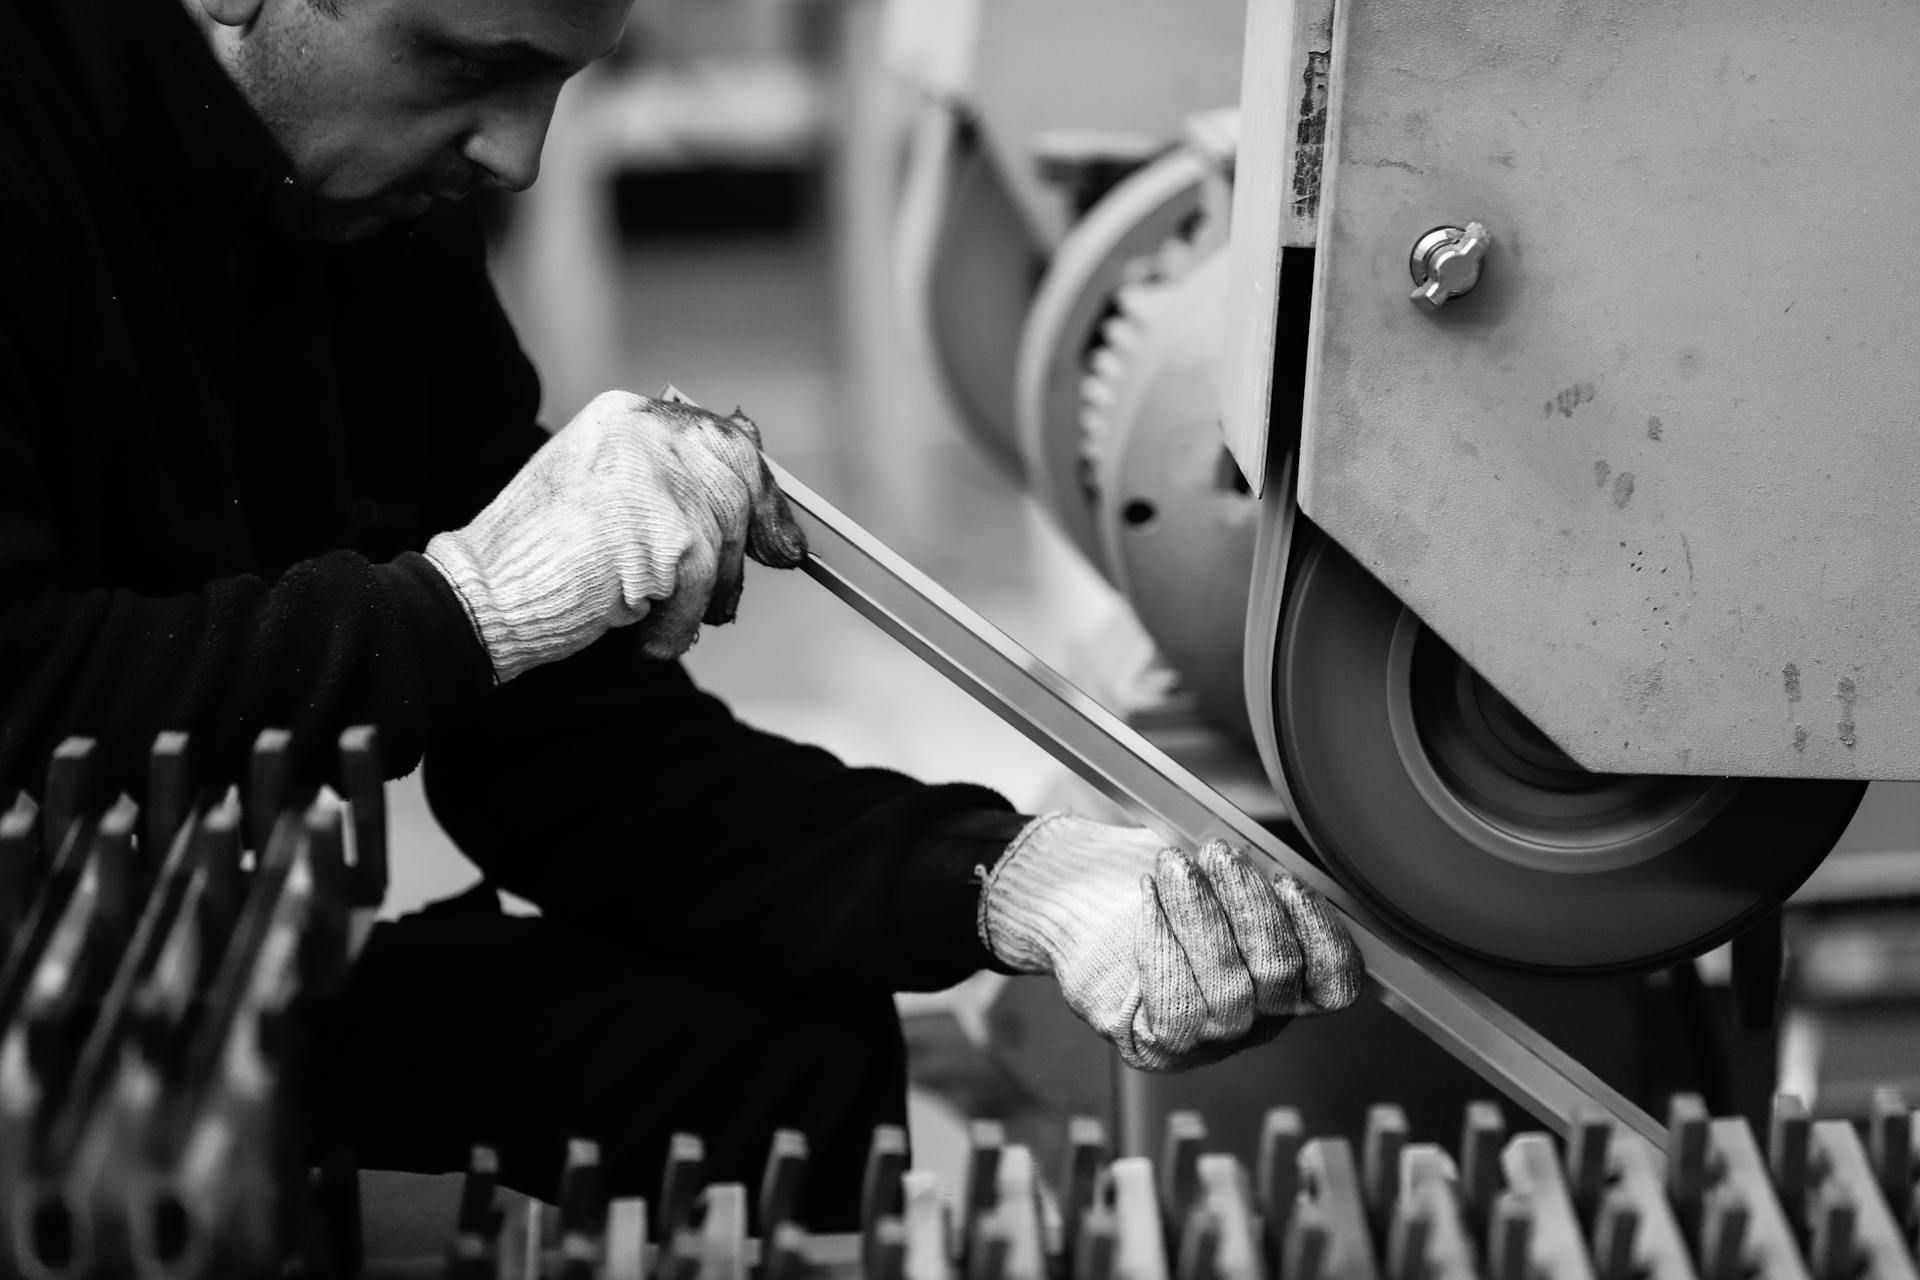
column 1112, row 757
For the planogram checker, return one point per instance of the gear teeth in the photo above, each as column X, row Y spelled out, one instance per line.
column 1177, row 258
column 1094, row 434
column 1106, row 369
column 1143, row 292
column 1136, row 274
column 1136, row 299
column 1120, row 334
column 1109, row 364
column 1096, row 392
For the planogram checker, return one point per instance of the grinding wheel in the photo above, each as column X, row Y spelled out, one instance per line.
column 1425, row 791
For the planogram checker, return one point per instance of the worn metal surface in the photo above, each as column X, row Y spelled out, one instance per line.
column 1276, row 202
column 1089, row 740
column 1655, row 477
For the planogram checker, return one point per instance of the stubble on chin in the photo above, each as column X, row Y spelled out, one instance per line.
column 271, row 66
column 328, row 222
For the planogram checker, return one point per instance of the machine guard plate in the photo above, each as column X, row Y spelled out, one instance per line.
column 1656, row 477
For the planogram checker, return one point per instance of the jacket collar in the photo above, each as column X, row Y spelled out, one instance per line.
column 170, row 110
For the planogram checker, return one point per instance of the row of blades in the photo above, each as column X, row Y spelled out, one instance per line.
column 159, row 960
column 1818, row 1200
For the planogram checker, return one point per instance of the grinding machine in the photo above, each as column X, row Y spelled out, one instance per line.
column 1497, row 414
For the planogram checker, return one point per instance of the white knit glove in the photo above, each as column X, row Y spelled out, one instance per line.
column 637, row 511
column 1178, row 959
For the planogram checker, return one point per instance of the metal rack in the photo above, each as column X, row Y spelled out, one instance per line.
column 158, row 967
column 1814, row 1201
column 159, row 962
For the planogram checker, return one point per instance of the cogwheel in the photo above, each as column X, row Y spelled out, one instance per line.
column 1178, row 255
column 1120, row 242
column 1148, row 280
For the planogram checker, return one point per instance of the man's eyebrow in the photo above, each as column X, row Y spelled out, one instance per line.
column 516, row 49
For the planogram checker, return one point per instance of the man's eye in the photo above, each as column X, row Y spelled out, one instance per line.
column 471, row 70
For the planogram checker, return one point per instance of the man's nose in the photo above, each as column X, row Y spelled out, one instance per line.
column 506, row 145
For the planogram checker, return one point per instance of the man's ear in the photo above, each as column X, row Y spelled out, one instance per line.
column 230, row 13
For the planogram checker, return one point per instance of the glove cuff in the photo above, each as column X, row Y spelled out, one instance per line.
column 1056, row 885
column 524, row 613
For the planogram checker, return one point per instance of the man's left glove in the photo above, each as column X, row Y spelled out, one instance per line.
column 1178, row 959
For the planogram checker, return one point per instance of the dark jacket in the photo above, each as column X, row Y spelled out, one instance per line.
column 220, row 452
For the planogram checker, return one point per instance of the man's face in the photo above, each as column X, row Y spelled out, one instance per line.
column 390, row 105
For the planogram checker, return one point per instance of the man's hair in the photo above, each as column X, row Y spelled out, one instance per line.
column 331, row 8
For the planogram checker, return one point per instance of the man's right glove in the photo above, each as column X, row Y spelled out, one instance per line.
column 637, row 511
column 1178, row 959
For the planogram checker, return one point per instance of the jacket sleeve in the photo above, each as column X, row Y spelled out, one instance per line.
column 610, row 791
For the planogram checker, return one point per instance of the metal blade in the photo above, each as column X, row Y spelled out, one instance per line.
column 1096, row 745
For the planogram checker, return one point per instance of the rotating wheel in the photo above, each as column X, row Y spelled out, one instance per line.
column 1430, row 795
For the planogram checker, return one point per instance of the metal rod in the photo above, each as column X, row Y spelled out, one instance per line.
column 1096, row 745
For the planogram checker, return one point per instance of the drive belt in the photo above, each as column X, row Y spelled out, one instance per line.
column 1109, row 755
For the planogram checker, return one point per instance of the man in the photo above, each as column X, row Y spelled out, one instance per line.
column 268, row 456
